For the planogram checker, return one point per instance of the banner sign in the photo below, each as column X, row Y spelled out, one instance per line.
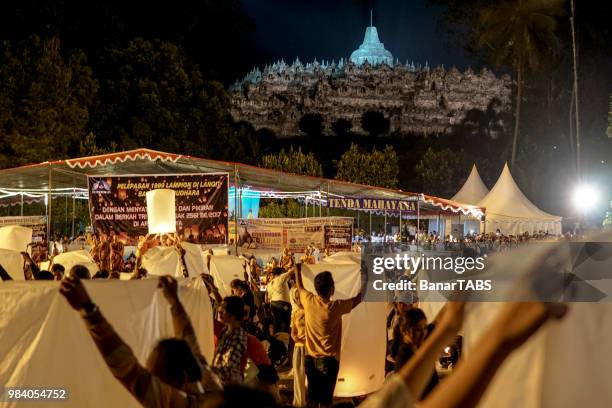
column 38, row 224
column 296, row 234
column 118, row 203
column 377, row 204
column 338, row 238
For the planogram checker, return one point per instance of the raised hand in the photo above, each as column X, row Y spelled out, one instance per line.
column 169, row 289
column 73, row 290
column 520, row 320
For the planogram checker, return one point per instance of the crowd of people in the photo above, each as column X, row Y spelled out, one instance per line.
column 492, row 241
column 271, row 324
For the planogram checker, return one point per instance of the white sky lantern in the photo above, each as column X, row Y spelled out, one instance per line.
column 161, row 211
column 15, row 237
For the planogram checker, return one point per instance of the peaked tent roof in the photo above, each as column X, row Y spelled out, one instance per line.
column 506, row 200
column 72, row 174
column 473, row 189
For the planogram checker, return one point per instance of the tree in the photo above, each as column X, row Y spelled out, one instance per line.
column 483, row 136
column 95, row 24
column 342, row 127
column 45, row 101
column 374, row 123
column 153, row 96
column 312, row 124
column 293, row 161
column 288, row 208
column 442, row 171
column 521, row 36
column 375, row 168
column 90, row 147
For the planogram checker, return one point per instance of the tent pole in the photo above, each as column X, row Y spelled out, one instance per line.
column 320, row 205
column 385, row 225
column 370, row 226
column 65, row 216
column 73, row 211
column 400, row 226
column 22, row 204
column 418, row 233
column 236, row 208
column 328, row 198
column 49, row 208
column 240, row 201
column 460, row 226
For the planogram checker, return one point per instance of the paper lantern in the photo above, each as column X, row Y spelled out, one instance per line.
column 15, row 237
column 161, row 211
column 79, row 257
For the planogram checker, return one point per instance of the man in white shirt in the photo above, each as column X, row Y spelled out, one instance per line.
column 279, row 298
column 315, row 252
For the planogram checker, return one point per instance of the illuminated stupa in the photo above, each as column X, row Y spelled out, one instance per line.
column 371, row 50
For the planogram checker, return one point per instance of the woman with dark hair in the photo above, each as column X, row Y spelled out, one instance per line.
column 409, row 334
column 241, row 289
column 231, row 340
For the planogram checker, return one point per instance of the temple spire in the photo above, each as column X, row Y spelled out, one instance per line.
column 372, row 49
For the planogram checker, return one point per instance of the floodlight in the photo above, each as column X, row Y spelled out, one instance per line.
column 585, row 197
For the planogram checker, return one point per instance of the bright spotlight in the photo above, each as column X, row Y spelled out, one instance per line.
column 585, row 197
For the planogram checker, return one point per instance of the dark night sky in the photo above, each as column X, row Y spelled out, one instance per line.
column 333, row 29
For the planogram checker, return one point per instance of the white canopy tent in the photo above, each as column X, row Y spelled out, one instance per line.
column 508, row 210
column 472, row 192
column 473, row 189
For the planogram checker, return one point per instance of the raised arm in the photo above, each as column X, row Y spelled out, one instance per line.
column 298, row 276
column 30, row 269
column 212, row 289
column 182, row 253
column 356, row 300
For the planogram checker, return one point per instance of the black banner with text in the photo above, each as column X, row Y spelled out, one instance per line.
column 119, row 204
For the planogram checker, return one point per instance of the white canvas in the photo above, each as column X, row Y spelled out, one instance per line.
column 15, row 237
column 44, row 343
column 224, row 269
